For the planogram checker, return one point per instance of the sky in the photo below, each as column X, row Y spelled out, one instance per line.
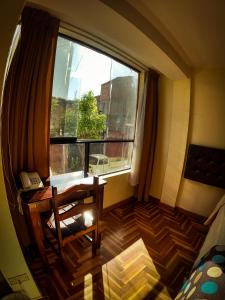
column 85, row 71
column 93, row 70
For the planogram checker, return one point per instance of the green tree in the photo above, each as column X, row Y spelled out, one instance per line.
column 92, row 123
column 71, row 117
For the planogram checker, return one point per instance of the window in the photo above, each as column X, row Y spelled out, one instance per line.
column 93, row 111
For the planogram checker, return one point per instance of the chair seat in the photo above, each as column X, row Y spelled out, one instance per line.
column 72, row 225
column 69, row 226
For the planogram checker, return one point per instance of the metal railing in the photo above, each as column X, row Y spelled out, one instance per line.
column 74, row 140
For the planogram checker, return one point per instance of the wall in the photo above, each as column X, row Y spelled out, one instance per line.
column 12, row 262
column 163, row 135
column 117, row 189
column 207, row 128
column 174, row 108
column 178, row 141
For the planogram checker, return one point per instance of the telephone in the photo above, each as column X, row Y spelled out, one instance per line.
column 31, row 181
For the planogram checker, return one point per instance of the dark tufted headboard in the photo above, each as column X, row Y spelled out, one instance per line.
column 206, row 165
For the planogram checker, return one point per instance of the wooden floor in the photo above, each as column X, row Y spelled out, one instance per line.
column 146, row 252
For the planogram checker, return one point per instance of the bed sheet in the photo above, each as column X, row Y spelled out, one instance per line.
column 216, row 233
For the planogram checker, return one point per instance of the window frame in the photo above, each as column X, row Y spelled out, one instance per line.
column 74, row 140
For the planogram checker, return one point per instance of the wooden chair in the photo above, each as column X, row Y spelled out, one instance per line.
column 76, row 214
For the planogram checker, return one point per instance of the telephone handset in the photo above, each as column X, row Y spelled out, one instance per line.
column 31, row 181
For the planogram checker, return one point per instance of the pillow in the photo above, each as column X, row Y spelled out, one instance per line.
column 207, row 280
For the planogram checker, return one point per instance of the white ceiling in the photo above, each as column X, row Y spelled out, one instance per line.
column 171, row 36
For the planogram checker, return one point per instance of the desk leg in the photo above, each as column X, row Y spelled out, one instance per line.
column 37, row 230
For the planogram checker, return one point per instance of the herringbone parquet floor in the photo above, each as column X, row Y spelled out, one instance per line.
column 146, row 252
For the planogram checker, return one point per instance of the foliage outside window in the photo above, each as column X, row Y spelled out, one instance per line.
column 94, row 99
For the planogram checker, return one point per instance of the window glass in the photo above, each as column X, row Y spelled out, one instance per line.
column 109, row 157
column 66, row 158
column 94, row 96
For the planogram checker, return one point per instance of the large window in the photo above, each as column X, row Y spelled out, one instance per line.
column 93, row 111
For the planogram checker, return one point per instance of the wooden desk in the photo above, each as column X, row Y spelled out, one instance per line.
column 36, row 202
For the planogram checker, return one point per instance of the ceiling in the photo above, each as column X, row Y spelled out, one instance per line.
column 194, row 27
column 171, row 36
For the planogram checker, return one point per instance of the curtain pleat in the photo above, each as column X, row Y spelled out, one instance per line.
column 149, row 137
column 139, row 131
column 26, row 103
column 27, row 94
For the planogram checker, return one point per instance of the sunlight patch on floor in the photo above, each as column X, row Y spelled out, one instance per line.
column 132, row 275
column 88, row 287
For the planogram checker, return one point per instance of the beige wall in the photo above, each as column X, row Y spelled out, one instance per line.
column 117, row 189
column 178, row 141
column 207, row 128
column 12, row 262
column 163, row 135
column 174, row 108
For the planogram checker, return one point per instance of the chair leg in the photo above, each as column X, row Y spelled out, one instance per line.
column 98, row 242
column 61, row 254
column 94, row 244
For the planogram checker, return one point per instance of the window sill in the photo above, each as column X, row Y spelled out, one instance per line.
column 114, row 174
column 66, row 180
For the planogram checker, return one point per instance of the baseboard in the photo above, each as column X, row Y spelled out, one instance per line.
column 179, row 209
column 130, row 200
column 191, row 214
column 154, row 200
column 164, row 206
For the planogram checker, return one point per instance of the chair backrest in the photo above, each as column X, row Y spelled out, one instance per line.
column 73, row 199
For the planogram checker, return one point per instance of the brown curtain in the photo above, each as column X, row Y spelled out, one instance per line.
column 149, row 138
column 27, row 98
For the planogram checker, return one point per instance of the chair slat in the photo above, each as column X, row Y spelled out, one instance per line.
column 75, row 210
column 68, row 221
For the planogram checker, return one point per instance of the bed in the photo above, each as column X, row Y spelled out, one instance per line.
column 207, row 279
column 216, row 233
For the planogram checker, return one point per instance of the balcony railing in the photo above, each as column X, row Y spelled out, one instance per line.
column 88, row 153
